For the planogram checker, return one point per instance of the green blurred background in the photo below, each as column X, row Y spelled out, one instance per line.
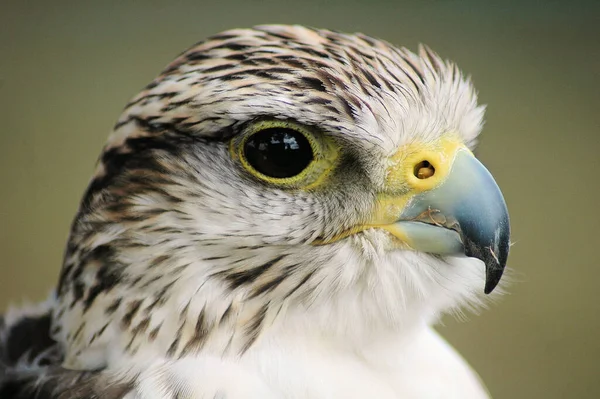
column 67, row 69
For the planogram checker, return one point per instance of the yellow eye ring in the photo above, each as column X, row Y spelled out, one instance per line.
column 284, row 153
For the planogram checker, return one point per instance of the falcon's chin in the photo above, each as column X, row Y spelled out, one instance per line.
column 400, row 285
column 366, row 285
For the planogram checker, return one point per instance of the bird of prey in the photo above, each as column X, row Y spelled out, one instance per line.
column 283, row 212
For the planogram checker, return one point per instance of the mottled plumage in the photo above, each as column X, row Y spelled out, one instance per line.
column 185, row 273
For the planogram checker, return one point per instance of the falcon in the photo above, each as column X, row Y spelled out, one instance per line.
column 284, row 212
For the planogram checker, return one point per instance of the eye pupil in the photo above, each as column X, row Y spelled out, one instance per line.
column 278, row 152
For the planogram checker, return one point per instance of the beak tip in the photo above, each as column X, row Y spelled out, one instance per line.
column 491, row 281
column 494, row 261
column 494, row 269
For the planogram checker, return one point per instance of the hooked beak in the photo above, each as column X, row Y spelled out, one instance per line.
column 438, row 198
column 465, row 214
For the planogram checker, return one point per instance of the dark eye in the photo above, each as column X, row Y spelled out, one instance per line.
column 278, row 152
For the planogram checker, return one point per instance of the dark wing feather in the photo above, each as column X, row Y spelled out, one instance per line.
column 59, row 383
column 30, row 362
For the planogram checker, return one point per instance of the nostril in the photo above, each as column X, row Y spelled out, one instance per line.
column 424, row 170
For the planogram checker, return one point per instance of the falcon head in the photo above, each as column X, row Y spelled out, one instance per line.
column 282, row 178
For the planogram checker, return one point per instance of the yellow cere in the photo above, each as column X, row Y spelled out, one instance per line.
column 324, row 149
column 440, row 154
column 400, row 175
